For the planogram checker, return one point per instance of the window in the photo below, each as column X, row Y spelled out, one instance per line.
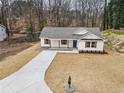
column 46, row 41
column 90, row 44
column 64, row 42
column 93, row 45
column 87, row 44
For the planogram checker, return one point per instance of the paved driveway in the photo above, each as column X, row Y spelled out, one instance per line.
column 30, row 78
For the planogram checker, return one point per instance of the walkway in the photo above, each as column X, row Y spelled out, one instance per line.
column 30, row 78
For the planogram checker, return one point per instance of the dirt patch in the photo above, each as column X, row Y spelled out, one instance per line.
column 114, row 40
column 13, row 63
column 9, row 50
column 91, row 73
column 12, row 52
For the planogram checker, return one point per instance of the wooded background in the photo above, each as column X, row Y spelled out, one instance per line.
column 33, row 15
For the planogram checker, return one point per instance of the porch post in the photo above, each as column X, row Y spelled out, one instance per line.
column 50, row 43
column 68, row 43
column 59, row 43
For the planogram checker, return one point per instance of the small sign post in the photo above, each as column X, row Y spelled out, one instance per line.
column 69, row 88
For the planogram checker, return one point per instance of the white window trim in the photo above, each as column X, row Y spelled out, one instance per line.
column 48, row 41
column 64, row 44
column 91, row 44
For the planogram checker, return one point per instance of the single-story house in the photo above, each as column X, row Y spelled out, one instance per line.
column 2, row 32
column 80, row 38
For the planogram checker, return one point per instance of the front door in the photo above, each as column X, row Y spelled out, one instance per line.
column 74, row 43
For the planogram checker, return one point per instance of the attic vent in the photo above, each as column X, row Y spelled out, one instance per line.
column 80, row 32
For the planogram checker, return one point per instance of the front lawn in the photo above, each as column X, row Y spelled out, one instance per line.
column 91, row 73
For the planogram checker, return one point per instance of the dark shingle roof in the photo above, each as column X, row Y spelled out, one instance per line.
column 69, row 32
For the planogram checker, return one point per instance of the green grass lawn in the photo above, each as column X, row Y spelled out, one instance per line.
column 112, row 32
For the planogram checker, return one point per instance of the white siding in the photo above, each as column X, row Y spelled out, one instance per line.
column 80, row 44
column 99, row 47
column 71, row 43
column 64, row 46
column 92, row 37
column 2, row 33
column 57, row 43
column 42, row 43
column 54, row 43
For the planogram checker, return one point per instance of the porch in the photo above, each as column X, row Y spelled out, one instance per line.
column 66, row 44
column 62, row 50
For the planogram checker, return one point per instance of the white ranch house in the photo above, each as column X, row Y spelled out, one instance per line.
column 79, row 38
column 2, row 32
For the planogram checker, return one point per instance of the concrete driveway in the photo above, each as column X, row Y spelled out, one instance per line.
column 30, row 78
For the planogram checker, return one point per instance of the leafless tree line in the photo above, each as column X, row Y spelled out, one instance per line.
column 88, row 13
column 75, row 12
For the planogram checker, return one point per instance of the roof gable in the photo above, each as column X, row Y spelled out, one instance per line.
column 91, row 36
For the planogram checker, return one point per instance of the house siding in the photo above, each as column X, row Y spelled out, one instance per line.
column 2, row 33
column 70, row 43
column 99, row 46
column 42, row 43
column 56, row 43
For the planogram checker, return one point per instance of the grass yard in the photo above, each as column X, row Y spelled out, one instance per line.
column 112, row 32
column 91, row 73
column 13, row 63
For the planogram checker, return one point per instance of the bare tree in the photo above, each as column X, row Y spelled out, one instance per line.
column 40, row 12
column 53, row 12
column 5, row 15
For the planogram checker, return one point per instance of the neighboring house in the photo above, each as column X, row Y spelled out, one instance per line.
column 82, row 39
column 2, row 33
